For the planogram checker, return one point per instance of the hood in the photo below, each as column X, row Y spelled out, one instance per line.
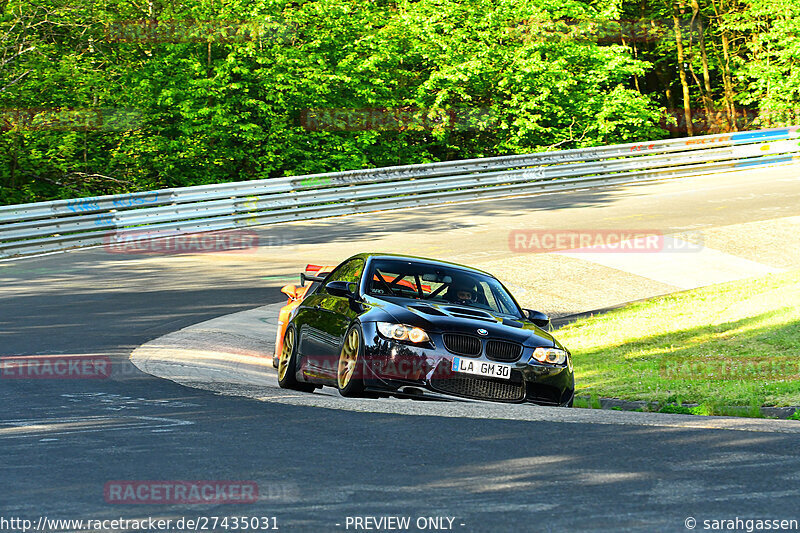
column 441, row 317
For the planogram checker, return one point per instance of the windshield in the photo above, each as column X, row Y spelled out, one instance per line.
column 441, row 285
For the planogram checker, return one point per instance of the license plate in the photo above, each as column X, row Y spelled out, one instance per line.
column 481, row 368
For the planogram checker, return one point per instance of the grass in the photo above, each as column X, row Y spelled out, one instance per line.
column 734, row 344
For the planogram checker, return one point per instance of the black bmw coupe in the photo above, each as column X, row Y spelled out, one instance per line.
column 408, row 326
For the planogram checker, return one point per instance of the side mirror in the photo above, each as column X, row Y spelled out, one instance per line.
column 341, row 288
column 290, row 291
column 538, row 318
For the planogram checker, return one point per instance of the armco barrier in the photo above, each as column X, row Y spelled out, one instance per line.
column 58, row 225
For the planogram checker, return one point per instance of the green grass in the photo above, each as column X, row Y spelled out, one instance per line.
column 734, row 344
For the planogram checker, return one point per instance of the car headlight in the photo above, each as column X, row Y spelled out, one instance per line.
column 402, row 332
column 553, row 356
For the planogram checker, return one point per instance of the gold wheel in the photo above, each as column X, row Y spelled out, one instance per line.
column 286, row 354
column 348, row 358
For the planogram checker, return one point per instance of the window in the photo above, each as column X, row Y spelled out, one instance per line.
column 439, row 284
column 349, row 272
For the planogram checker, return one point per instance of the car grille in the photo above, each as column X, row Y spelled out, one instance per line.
column 503, row 351
column 462, row 344
column 482, row 389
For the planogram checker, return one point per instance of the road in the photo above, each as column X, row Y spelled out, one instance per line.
column 62, row 441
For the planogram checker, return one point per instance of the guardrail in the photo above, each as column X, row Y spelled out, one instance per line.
column 62, row 224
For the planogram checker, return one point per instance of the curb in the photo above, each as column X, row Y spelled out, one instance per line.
column 235, row 348
column 655, row 407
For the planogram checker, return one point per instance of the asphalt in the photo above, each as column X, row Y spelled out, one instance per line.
column 316, row 464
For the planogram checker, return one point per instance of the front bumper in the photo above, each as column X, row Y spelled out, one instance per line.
column 394, row 366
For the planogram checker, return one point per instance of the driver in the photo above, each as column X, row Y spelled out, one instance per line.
column 463, row 292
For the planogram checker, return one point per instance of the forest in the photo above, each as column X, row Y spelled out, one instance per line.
column 111, row 96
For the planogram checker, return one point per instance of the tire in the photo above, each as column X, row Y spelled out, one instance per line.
column 349, row 372
column 287, row 365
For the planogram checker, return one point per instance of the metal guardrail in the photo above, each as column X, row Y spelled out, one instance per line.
column 62, row 224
